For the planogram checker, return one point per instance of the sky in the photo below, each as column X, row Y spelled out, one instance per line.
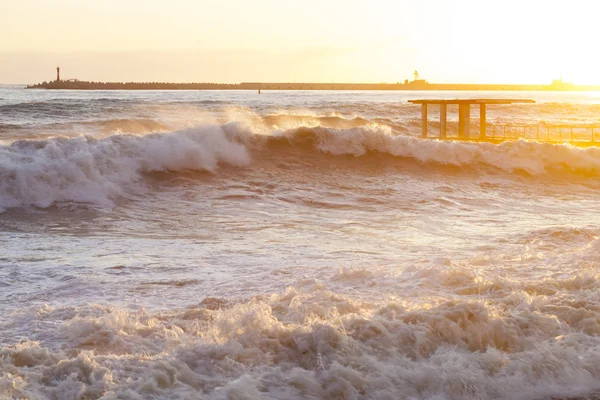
column 467, row 41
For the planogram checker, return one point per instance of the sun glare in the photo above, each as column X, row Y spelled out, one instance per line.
column 464, row 41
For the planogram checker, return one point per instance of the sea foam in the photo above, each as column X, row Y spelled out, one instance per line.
column 530, row 157
column 85, row 169
column 88, row 170
column 313, row 344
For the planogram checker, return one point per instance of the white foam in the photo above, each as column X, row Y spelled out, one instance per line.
column 313, row 344
column 530, row 157
column 88, row 170
column 98, row 171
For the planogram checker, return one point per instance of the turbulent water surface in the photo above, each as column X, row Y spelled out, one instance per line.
column 230, row 245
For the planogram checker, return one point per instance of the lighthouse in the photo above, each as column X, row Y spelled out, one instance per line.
column 57, row 74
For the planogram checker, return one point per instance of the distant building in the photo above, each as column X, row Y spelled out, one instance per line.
column 559, row 84
column 57, row 74
column 416, row 83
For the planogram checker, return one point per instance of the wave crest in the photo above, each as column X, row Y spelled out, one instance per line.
column 85, row 169
column 88, row 170
column 533, row 158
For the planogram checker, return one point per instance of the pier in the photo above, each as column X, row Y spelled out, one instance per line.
column 580, row 135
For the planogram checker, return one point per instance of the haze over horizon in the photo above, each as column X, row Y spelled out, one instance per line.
column 309, row 41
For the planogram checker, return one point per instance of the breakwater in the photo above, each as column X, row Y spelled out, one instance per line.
column 411, row 85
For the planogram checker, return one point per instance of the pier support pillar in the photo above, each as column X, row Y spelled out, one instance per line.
column 424, row 120
column 443, row 121
column 464, row 121
column 482, row 122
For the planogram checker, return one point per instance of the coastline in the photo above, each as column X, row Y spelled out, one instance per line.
column 407, row 86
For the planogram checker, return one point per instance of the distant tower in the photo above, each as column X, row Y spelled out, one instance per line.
column 416, row 75
column 58, row 74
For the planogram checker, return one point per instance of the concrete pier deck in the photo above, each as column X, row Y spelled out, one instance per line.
column 577, row 135
column 464, row 114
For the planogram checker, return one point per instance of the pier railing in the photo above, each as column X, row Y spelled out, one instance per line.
column 580, row 134
column 574, row 134
column 586, row 135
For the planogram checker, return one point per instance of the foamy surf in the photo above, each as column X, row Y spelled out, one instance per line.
column 530, row 157
column 291, row 245
column 97, row 171
column 88, row 170
column 311, row 342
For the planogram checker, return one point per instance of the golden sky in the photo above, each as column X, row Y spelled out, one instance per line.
column 524, row 41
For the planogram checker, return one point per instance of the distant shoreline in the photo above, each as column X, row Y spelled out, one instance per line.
column 412, row 85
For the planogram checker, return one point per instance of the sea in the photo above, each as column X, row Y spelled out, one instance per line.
column 294, row 245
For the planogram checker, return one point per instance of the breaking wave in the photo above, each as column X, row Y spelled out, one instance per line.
column 85, row 169
column 519, row 156
column 88, row 170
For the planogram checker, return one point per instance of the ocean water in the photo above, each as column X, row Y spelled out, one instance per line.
column 293, row 245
